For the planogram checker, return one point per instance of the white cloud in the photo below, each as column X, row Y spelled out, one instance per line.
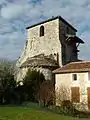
column 12, row 11
column 11, row 45
column 2, row 2
column 15, row 15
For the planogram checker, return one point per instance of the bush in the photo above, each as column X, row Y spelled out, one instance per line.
column 68, row 108
column 46, row 94
column 31, row 84
column 7, row 86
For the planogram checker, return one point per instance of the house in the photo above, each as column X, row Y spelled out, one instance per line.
column 49, row 44
column 74, row 79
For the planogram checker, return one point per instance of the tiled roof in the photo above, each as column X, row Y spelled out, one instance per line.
column 81, row 66
column 74, row 38
column 40, row 60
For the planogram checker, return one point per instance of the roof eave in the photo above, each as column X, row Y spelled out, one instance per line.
column 62, row 72
column 79, row 40
column 53, row 18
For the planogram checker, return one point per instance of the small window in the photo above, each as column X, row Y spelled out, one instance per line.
column 41, row 31
column 74, row 77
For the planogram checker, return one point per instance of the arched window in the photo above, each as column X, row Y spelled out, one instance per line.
column 41, row 31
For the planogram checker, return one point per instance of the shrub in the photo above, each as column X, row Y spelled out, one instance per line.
column 46, row 94
column 68, row 108
column 7, row 85
column 31, row 83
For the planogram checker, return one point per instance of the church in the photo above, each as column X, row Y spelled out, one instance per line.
column 51, row 47
column 49, row 44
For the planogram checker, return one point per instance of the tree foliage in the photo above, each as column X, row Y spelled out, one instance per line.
column 7, row 82
column 32, row 82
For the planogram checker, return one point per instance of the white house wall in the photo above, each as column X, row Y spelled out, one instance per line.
column 82, row 82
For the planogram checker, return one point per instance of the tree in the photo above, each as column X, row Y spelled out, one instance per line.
column 32, row 82
column 7, row 83
column 46, row 93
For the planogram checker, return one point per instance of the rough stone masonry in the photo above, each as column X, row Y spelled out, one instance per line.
column 54, row 48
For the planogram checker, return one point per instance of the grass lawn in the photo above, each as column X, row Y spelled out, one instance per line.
column 27, row 113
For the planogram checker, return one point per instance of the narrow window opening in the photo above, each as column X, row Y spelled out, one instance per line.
column 41, row 31
column 74, row 77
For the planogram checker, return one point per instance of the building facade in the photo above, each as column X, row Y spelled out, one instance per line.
column 74, row 80
column 55, row 39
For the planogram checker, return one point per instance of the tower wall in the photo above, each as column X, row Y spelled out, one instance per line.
column 51, row 43
column 66, row 50
column 47, row 44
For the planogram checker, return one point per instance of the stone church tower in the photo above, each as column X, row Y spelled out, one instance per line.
column 50, row 44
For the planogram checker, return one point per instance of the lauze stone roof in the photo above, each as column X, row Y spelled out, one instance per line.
column 40, row 61
column 82, row 66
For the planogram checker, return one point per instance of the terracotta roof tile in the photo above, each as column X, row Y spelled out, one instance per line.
column 74, row 67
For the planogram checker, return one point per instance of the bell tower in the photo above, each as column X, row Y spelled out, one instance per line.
column 69, row 42
column 49, row 44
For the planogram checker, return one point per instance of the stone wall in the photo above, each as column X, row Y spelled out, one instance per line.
column 45, row 71
column 47, row 44
column 21, row 74
column 50, row 43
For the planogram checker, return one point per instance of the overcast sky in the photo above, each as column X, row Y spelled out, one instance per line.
column 16, row 15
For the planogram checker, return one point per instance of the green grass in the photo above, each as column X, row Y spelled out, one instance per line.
column 27, row 113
